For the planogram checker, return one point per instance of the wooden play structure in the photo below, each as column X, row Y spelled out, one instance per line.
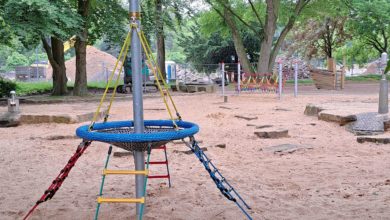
column 331, row 78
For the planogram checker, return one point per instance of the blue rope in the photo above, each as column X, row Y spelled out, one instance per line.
column 97, row 133
column 229, row 192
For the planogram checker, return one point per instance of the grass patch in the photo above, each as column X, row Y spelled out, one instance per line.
column 102, row 85
column 29, row 88
column 301, row 81
column 366, row 78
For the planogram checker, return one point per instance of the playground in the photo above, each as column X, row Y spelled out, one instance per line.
column 328, row 176
column 239, row 112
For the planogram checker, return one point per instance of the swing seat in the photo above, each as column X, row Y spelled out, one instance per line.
column 121, row 133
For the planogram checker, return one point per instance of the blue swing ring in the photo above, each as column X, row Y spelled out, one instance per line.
column 121, row 133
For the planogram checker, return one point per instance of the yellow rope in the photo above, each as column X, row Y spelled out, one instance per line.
column 109, row 81
column 118, row 77
column 149, row 57
column 156, row 72
column 159, row 72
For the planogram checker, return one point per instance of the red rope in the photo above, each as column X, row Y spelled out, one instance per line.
column 57, row 182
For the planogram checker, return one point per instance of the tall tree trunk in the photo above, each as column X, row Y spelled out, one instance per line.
column 263, row 65
column 238, row 43
column 160, row 38
column 269, row 53
column 80, row 85
column 55, row 53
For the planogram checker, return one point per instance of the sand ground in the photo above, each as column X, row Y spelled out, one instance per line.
column 336, row 178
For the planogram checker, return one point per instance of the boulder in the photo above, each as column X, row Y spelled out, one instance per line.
column 312, row 110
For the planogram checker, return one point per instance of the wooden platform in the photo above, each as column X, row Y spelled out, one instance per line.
column 325, row 79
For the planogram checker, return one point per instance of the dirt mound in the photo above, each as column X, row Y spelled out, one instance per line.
column 99, row 66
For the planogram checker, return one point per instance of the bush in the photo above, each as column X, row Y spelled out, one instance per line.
column 6, row 86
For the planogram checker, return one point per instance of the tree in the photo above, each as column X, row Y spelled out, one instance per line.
column 370, row 21
column 100, row 18
column 47, row 21
column 202, row 46
column 320, row 34
column 16, row 59
column 159, row 14
column 267, row 20
column 80, row 84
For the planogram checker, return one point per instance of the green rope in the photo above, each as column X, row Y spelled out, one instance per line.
column 103, row 178
column 146, row 181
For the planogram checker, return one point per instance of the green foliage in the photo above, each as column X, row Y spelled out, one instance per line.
column 370, row 22
column 356, row 52
column 366, row 78
column 16, row 59
column 6, row 87
column 34, row 19
column 387, row 67
column 108, row 20
column 30, row 88
column 177, row 57
column 212, row 47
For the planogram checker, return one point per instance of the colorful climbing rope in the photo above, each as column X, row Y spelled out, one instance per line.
column 57, row 182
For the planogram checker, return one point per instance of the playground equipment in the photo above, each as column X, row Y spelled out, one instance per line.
column 330, row 78
column 139, row 135
column 325, row 79
column 258, row 82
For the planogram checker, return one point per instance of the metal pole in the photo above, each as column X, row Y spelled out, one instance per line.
column 136, row 66
column 280, row 79
column 223, row 81
column 296, row 79
column 383, row 107
column 36, row 60
column 238, row 77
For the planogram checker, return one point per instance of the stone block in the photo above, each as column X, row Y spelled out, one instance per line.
column 312, row 110
column 9, row 119
column 272, row 134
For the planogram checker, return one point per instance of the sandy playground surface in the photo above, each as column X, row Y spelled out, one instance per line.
column 333, row 178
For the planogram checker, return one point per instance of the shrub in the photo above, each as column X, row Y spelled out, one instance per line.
column 6, row 86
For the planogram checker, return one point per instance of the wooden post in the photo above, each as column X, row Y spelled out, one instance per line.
column 343, row 72
column 332, row 68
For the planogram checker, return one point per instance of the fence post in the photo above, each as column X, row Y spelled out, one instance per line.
column 223, row 82
column 280, row 78
column 238, row 77
column 383, row 107
column 295, row 78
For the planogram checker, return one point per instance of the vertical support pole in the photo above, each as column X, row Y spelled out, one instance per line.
column 383, row 107
column 185, row 74
column 223, row 78
column 36, row 60
column 280, row 78
column 138, row 116
column 296, row 79
column 238, row 77
column 223, row 82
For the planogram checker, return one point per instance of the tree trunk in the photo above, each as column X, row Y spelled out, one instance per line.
column 80, row 85
column 263, row 65
column 160, row 38
column 59, row 70
column 238, row 43
column 55, row 54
